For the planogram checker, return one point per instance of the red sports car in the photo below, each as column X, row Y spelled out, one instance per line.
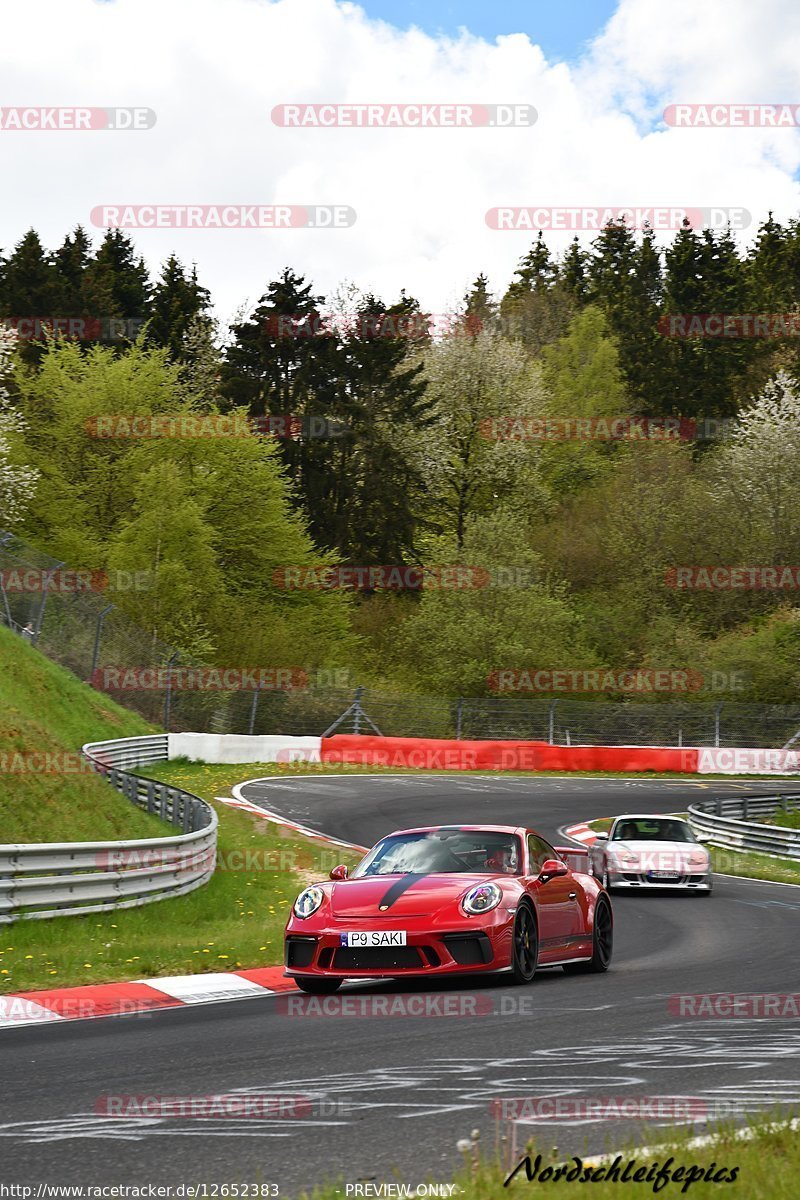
column 447, row 900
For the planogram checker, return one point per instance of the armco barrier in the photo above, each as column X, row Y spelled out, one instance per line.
column 725, row 822
column 75, row 878
column 433, row 754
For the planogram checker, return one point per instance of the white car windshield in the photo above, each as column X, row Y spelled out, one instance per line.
column 652, row 829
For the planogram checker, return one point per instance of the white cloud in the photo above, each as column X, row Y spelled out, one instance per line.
column 214, row 69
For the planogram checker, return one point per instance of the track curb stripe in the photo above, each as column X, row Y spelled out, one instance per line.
column 140, row 995
column 581, row 833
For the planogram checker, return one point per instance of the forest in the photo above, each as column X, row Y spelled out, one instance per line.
column 587, row 472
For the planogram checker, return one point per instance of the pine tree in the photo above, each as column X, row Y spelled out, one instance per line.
column 625, row 280
column 573, row 272
column 375, row 491
column 283, row 362
column 537, row 271
column 71, row 261
column 705, row 276
column 178, row 299
column 31, row 287
column 480, row 309
column 773, row 280
column 280, row 356
column 536, row 308
column 117, row 288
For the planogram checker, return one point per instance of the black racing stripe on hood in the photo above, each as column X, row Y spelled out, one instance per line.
column 400, row 887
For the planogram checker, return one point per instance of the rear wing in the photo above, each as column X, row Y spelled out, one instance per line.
column 576, row 858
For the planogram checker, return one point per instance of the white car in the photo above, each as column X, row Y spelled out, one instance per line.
column 647, row 851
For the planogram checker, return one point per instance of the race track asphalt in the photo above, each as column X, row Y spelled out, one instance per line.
column 393, row 1093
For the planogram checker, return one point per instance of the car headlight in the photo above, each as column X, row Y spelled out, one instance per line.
column 308, row 902
column 482, row 898
column 699, row 859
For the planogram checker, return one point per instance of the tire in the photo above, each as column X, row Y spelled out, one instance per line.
column 602, row 943
column 525, row 945
column 317, row 985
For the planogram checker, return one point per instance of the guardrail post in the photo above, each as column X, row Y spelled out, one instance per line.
column 101, row 616
column 168, row 692
column 9, row 618
column 459, row 717
column 48, row 576
column 717, row 712
column 551, row 721
column 253, row 709
column 744, row 808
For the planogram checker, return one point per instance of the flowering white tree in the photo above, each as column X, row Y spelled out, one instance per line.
column 17, row 483
column 475, row 455
column 756, row 471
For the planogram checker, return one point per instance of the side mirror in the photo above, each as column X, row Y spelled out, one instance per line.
column 601, row 837
column 552, row 868
column 339, row 872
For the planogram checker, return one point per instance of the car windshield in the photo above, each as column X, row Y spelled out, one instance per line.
column 443, row 852
column 652, row 829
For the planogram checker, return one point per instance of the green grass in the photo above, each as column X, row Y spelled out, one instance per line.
column 768, row 1169
column 749, row 865
column 744, row 863
column 790, row 820
column 47, row 711
column 236, row 920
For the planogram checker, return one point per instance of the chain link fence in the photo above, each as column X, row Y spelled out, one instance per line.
column 82, row 631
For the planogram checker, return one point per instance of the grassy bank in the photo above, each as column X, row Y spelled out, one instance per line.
column 46, row 714
column 236, row 920
column 767, row 1167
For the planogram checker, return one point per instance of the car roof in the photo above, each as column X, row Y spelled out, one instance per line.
column 519, row 830
column 649, row 817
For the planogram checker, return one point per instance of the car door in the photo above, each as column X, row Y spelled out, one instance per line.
column 557, row 904
column 597, row 855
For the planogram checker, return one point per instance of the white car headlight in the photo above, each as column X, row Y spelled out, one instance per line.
column 699, row 858
column 308, row 902
column 482, row 898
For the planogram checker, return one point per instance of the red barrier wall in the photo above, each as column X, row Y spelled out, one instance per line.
column 434, row 754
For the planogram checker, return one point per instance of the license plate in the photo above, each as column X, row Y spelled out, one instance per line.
column 663, row 875
column 374, row 937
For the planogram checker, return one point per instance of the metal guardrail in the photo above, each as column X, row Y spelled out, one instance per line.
column 76, row 878
column 725, row 821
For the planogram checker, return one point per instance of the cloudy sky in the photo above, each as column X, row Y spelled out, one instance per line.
column 598, row 73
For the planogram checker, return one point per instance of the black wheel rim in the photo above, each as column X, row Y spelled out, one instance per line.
column 525, row 942
column 603, row 933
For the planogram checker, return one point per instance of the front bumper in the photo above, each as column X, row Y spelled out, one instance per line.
column 439, row 950
column 620, row 878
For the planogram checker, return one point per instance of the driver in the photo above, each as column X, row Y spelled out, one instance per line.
column 503, row 859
